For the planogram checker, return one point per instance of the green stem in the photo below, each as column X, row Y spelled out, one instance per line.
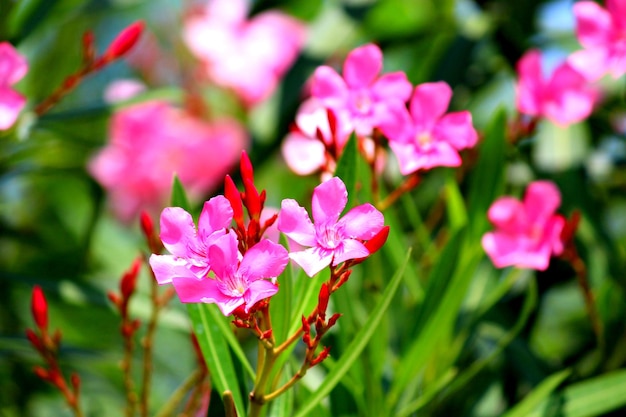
column 170, row 406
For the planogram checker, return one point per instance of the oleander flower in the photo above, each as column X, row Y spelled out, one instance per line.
column 248, row 55
column 429, row 137
column 238, row 281
column 13, row 67
column 602, row 33
column 189, row 247
column 152, row 141
column 527, row 232
column 361, row 96
column 329, row 239
column 564, row 98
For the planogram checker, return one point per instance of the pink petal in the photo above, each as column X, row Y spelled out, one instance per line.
column 412, row 158
column 530, row 84
column 593, row 24
column 194, row 290
column 617, row 10
column 507, row 213
column 350, row 249
column 266, row 259
column 294, row 222
column 178, row 232
column 541, row 201
column 392, row 85
column 361, row 222
column 312, row 260
column 11, row 104
column 329, row 87
column 13, row 66
column 554, row 228
column 302, row 154
column 329, row 200
column 216, row 214
column 362, row 66
column 591, row 63
column 429, row 102
column 456, row 129
column 397, row 124
column 224, row 255
column 168, row 267
column 257, row 291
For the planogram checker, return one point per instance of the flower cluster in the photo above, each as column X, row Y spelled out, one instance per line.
column 13, row 67
column 151, row 141
column 229, row 46
column 422, row 136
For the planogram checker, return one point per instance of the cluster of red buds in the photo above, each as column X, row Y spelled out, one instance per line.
column 124, row 41
column 252, row 200
column 48, row 346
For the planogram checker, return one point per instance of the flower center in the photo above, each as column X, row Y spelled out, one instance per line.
column 234, row 285
column 424, row 139
column 362, row 103
column 330, row 238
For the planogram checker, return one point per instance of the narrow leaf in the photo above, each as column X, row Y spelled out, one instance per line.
column 538, row 395
column 179, row 196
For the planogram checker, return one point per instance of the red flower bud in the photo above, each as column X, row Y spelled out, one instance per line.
column 377, row 242
column 41, row 373
column 34, row 340
column 125, row 40
column 322, row 301
column 323, row 355
column 129, row 279
column 245, row 166
column 234, row 197
column 333, row 319
column 39, row 308
column 252, row 201
column 147, row 225
column 114, row 298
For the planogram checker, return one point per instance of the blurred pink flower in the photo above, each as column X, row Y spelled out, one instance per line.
column 152, row 141
column 13, row 67
column 361, row 96
column 329, row 239
column 602, row 33
column 122, row 90
column 429, row 137
column 249, row 56
column 238, row 280
column 564, row 98
column 190, row 248
column 528, row 232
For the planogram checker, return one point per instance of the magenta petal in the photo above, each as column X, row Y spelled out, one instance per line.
column 593, row 24
column 429, row 102
column 329, row 200
column 259, row 290
column 216, row 214
column 591, row 63
column 294, row 222
column 350, row 249
column 266, row 259
column 507, row 213
column 617, row 10
column 302, row 154
column 329, row 87
column 312, row 260
column 393, row 85
column 11, row 104
column 194, row 290
column 530, row 83
column 397, row 125
column 13, row 66
column 178, row 232
column 224, row 255
column 168, row 267
column 541, row 200
column 362, row 66
column 456, row 129
column 361, row 222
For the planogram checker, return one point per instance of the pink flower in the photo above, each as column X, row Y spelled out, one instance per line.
column 151, row 141
column 122, row 90
column 602, row 33
column 249, row 56
column 564, row 98
column 190, row 248
column 527, row 233
column 238, row 280
column 429, row 137
column 361, row 95
column 13, row 67
column 329, row 239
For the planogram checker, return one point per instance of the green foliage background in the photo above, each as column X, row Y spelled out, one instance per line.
column 455, row 337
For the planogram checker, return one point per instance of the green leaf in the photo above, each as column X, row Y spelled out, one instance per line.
column 215, row 350
column 354, row 350
column 457, row 214
column 179, row 196
column 539, row 394
column 347, row 167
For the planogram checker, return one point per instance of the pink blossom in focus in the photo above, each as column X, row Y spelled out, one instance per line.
column 238, row 280
column 329, row 239
column 564, row 98
column 362, row 96
column 429, row 137
column 151, row 141
column 528, row 232
column 13, row 67
column 190, row 248
column 248, row 55
column 602, row 33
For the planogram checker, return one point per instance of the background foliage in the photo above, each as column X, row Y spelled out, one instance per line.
column 458, row 337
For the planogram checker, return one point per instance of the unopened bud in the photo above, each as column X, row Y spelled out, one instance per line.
column 147, row 225
column 125, row 40
column 114, row 298
column 252, row 201
column 377, row 242
column 41, row 373
column 245, row 166
column 39, row 308
column 34, row 340
column 322, row 301
column 234, row 197
column 323, row 355
column 333, row 319
column 129, row 279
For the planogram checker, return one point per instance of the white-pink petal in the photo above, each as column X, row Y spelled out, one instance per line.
column 361, row 222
